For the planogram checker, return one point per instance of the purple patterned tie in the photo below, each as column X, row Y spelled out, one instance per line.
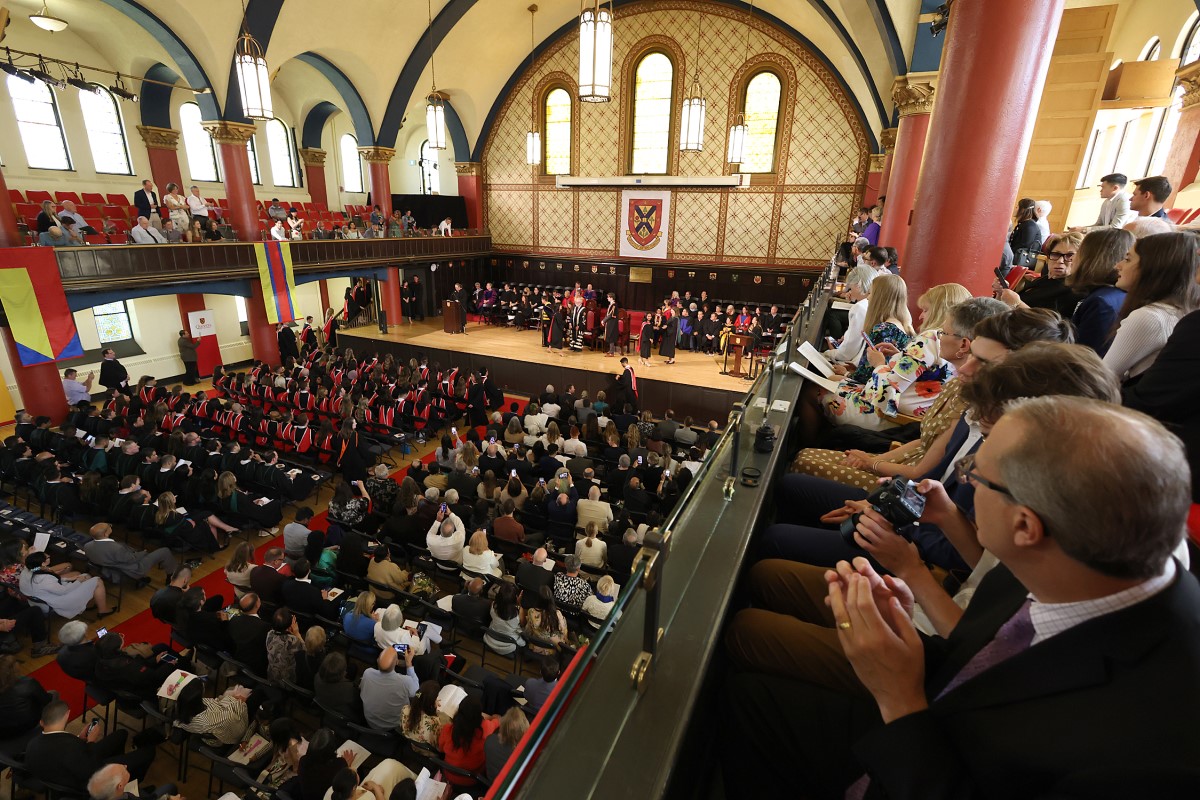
column 1013, row 637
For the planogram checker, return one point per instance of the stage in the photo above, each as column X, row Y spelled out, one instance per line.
column 693, row 386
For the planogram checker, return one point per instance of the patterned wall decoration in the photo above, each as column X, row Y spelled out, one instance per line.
column 792, row 218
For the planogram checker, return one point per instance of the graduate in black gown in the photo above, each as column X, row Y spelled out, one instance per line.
column 646, row 342
column 670, row 335
column 558, row 324
column 612, row 327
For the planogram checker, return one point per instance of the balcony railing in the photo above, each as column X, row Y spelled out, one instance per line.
column 109, row 266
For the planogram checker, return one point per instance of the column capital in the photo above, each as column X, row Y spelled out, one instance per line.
column 159, row 138
column 887, row 140
column 913, row 93
column 377, row 155
column 223, row 131
column 1189, row 79
column 877, row 162
column 312, row 156
column 468, row 167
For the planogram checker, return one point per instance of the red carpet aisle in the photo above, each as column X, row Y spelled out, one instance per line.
column 143, row 627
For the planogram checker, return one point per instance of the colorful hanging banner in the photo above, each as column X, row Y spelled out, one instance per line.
column 31, row 291
column 278, row 280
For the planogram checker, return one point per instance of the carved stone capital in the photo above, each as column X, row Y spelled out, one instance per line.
column 1189, row 79
column 877, row 162
column 312, row 156
column 913, row 94
column 468, row 167
column 377, row 155
column 223, row 131
column 159, row 138
column 887, row 140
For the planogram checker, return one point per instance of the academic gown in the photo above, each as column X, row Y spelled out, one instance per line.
column 666, row 348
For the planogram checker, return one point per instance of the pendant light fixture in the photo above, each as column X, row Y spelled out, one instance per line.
column 533, row 139
column 737, row 132
column 595, row 53
column 691, row 128
column 435, row 103
column 47, row 21
column 254, row 79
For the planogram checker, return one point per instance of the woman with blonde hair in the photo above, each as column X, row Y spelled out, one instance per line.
column 1051, row 289
column 936, row 303
column 261, row 511
column 177, row 208
column 359, row 621
column 180, row 530
column 237, row 570
column 499, row 746
column 600, row 604
column 478, row 557
column 592, row 550
column 489, row 488
column 552, row 435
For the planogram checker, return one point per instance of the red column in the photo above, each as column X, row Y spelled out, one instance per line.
column 470, row 188
column 914, row 99
column 978, row 138
column 40, row 385
column 379, row 161
column 162, row 148
column 887, row 141
column 314, row 174
column 230, row 139
column 10, row 234
column 1183, row 159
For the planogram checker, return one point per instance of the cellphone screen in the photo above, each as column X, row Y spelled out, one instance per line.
column 400, row 648
column 639, row 459
column 421, row 628
column 101, row 632
column 514, row 473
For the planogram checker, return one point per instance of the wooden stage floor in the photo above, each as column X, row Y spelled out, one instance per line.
column 693, row 386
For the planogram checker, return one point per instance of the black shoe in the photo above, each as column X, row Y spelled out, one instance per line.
column 9, row 646
column 141, row 583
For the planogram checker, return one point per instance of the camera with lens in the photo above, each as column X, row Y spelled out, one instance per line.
column 897, row 501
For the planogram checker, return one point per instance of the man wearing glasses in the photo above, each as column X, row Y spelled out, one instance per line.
column 1075, row 670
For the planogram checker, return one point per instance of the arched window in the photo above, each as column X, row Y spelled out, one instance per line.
column 761, row 110
column 279, row 145
column 352, row 176
column 39, row 123
column 653, row 90
column 1191, row 44
column 102, row 118
column 202, row 160
column 1152, row 50
column 431, row 182
column 556, row 136
column 252, row 157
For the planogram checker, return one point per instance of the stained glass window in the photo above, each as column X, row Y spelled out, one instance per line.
column 112, row 322
column 762, row 118
column 556, row 136
column 653, row 87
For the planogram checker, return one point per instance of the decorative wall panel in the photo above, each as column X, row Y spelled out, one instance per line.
column 791, row 218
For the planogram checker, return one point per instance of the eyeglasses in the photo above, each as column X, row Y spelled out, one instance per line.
column 1066, row 257
column 944, row 332
column 964, row 471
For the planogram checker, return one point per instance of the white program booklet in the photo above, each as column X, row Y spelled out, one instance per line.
column 809, row 375
column 361, row 753
column 40, row 542
column 428, row 788
column 816, row 360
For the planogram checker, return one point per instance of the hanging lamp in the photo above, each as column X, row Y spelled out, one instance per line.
column 691, row 128
column 736, row 150
column 435, row 103
column 533, row 139
column 595, row 53
column 254, row 79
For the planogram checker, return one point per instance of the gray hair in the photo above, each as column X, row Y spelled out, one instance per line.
column 862, row 243
column 72, row 632
column 381, row 471
column 1124, row 522
column 451, row 496
column 106, row 782
column 1044, row 207
column 1148, row 226
column 571, row 563
column 432, row 494
column 861, row 277
column 624, row 461
column 969, row 313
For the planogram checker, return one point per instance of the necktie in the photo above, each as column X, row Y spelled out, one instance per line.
column 1013, row 637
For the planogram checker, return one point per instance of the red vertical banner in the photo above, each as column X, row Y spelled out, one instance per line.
column 200, row 324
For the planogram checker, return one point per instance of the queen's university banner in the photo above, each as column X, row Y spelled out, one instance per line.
column 39, row 318
column 278, row 280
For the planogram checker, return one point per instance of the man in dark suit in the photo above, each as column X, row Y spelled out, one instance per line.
column 76, row 657
column 637, row 499
column 301, row 596
column 627, row 380
column 249, row 634
column 1077, row 658
column 533, row 575
column 146, row 201
column 266, row 580
column 69, row 760
column 472, row 604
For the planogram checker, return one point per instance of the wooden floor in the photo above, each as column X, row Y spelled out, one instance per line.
column 690, row 369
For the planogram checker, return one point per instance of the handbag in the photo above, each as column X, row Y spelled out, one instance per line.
column 1025, row 258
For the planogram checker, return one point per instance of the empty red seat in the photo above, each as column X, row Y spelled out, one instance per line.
column 118, row 199
column 31, row 222
column 28, row 209
column 90, row 212
column 120, row 226
column 118, row 238
column 37, row 196
column 93, row 198
column 223, row 202
column 15, row 196
column 113, row 212
column 98, row 238
column 61, row 196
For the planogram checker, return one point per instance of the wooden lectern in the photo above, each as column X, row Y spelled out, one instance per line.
column 735, row 345
column 451, row 316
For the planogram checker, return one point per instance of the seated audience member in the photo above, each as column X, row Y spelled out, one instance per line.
column 202, row 621
column 109, row 782
column 320, row 764
column 77, row 656
column 143, row 233
column 1051, row 289
column 283, row 646
column 249, row 634
column 913, row 459
column 385, row 777
column 268, row 578
column 446, row 535
column 599, row 605
column 498, row 746
column 107, row 553
column 387, row 688
column 239, row 567
column 570, row 587
column 621, row 556
column 359, row 620
column 70, row 760
column 333, row 690
column 295, row 533
column 477, row 556
column 302, row 596
column 22, row 699
column 139, row 669
column 1095, row 277
column 1158, row 275
column 165, row 602
column 385, row 572
column 591, row 550
column 1020, row 698
column 348, row 509
column 67, row 594
column 810, row 509
column 462, row 740
column 505, row 620
column 420, row 721
column 593, row 509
